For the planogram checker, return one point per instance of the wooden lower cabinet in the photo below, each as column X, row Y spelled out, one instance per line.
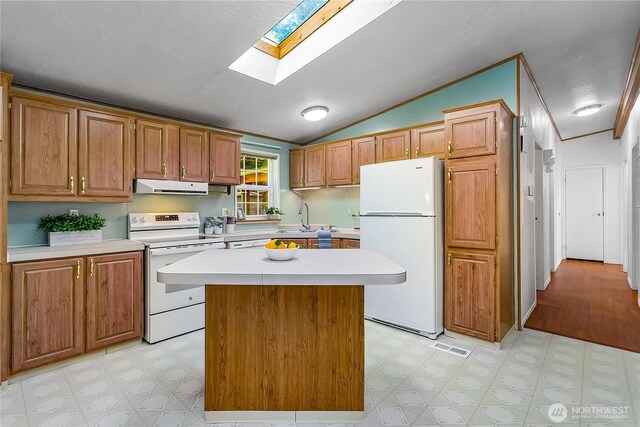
column 302, row 243
column 350, row 244
column 470, row 294
column 114, row 299
column 313, row 244
column 48, row 312
column 53, row 318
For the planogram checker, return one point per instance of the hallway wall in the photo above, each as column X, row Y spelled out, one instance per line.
column 601, row 150
column 538, row 130
column 630, row 137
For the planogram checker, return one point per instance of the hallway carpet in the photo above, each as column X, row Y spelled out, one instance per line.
column 590, row 301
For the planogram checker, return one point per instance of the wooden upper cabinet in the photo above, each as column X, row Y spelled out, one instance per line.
column 296, row 168
column 393, row 146
column 339, row 163
column 470, row 294
column 470, row 133
column 48, row 311
column 471, row 205
column 428, row 141
column 314, row 165
column 194, row 155
column 43, row 148
column 363, row 152
column 157, row 150
column 114, row 299
column 224, row 159
column 104, row 152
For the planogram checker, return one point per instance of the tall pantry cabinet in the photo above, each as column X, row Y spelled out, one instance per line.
column 479, row 279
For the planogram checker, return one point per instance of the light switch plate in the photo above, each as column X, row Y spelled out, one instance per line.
column 74, row 212
column 531, row 190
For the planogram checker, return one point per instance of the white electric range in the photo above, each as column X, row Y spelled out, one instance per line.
column 170, row 237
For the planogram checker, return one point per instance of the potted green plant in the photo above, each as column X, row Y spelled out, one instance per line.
column 273, row 212
column 73, row 229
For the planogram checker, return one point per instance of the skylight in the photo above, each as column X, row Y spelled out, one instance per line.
column 294, row 20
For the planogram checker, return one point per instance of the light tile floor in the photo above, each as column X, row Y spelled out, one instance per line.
column 407, row 383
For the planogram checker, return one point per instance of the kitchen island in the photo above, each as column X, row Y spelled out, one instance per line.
column 284, row 340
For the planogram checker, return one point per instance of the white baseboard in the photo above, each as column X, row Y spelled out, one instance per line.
column 557, row 265
column 526, row 316
column 546, row 283
column 630, row 282
column 284, row 416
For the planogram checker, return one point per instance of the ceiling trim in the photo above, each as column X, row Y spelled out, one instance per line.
column 36, row 90
column 587, row 134
column 629, row 94
column 522, row 59
column 511, row 58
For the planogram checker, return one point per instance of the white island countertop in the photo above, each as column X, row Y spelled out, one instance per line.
column 309, row 267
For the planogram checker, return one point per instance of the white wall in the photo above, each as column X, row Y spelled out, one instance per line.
column 602, row 150
column 630, row 137
column 539, row 130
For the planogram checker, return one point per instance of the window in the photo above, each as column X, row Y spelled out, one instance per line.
column 258, row 186
column 300, row 23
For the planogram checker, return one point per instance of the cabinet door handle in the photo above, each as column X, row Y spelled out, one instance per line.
column 417, row 151
column 72, row 184
column 213, row 175
column 83, row 184
column 184, row 172
column 164, row 169
column 406, row 153
column 449, row 174
column 449, row 148
column 78, row 269
column 449, row 260
column 91, row 268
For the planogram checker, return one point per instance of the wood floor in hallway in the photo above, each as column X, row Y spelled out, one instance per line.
column 590, row 301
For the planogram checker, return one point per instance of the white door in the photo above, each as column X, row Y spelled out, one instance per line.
column 413, row 243
column 584, row 213
column 635, row 217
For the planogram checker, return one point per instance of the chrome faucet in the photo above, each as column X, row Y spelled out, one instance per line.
column 306, row 226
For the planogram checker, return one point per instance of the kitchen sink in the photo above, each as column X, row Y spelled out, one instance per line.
column 303, row 230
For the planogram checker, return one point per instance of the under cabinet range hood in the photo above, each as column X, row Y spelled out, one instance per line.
column 156, row 186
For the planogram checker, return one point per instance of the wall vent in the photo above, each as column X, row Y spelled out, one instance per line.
column 461, row 352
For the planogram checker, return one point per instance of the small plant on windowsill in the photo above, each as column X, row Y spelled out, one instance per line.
column 73, row 229
column 273, row 212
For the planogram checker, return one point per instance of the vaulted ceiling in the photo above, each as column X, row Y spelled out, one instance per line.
column 172, row 58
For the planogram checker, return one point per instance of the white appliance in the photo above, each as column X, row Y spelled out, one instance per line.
column 156, row 186
column 169, row 237
column 401, row 205
column 246, row 244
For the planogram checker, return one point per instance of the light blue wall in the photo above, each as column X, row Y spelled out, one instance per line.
column 23, row 216
column 496, row 83
column 330, row 205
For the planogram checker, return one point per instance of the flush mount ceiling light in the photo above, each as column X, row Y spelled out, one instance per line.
column 588, row 110
column 313, row 114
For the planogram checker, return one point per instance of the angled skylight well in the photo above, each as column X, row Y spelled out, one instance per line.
column 300, row 23
column 309, row 30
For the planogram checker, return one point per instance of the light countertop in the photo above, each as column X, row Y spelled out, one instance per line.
column 42, row 252
column 341, row 233
column 310, row 267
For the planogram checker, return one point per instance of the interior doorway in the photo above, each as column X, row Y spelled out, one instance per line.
column 584, row 213
column 635, row 216
column 539, row 218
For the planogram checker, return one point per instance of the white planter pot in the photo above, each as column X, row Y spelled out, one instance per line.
column 61, row 238
column 273, row 216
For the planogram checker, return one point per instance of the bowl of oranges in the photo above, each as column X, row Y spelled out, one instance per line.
column 279, row 250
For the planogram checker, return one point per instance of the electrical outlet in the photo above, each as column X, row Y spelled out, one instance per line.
column 73, row 212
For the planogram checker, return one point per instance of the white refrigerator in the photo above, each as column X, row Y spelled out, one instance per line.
column 401, row 204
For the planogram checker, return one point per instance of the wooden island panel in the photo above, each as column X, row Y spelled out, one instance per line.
column 284, row 348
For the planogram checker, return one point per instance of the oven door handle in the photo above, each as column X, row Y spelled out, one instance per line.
column 185, row 250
